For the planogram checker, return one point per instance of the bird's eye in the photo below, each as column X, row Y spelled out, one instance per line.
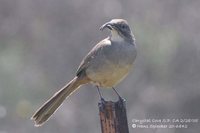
column 123, row 26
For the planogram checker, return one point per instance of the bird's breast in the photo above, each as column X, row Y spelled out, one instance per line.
column 113, row 64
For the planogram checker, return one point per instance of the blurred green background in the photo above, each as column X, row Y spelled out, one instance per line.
column 42, row 43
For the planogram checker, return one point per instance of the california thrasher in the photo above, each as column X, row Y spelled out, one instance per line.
column 105, row 66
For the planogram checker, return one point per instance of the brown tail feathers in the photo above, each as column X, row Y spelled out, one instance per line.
column 48, row 108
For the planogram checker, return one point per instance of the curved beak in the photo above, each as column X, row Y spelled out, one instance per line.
column 106, row 25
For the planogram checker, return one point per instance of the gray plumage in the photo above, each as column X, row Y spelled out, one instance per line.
column 105, row 66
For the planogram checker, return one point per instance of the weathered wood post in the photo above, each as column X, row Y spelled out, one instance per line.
column 113, row 116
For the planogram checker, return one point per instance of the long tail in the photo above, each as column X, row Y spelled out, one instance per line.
column 48, row 108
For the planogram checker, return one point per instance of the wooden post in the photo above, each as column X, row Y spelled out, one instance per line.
column 113, row 116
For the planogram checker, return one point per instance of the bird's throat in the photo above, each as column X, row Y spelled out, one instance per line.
column 115, row 36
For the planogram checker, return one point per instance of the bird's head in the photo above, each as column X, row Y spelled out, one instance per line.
column 120, row 30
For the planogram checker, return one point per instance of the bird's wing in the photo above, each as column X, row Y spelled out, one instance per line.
column 92, row 55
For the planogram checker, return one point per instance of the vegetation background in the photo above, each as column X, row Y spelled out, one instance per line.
column 42, row 43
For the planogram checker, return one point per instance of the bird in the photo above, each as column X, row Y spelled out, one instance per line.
column 106, row 65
